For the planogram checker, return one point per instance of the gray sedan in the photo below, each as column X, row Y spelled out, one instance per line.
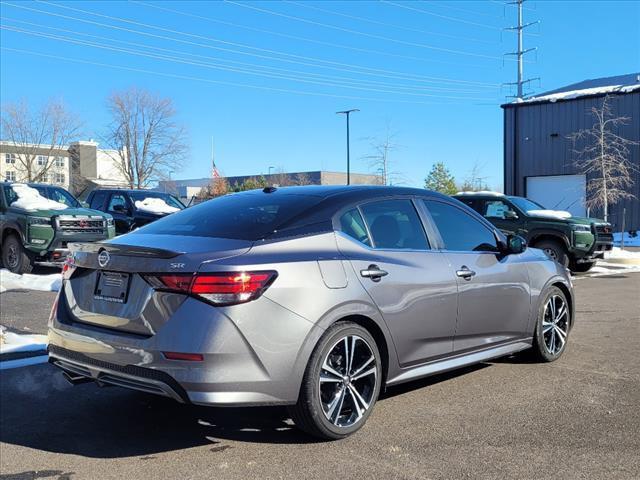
column 311, row 297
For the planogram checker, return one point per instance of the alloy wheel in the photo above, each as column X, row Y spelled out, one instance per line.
column 555, row 324
column 347, row 382
column 12, row 256
column 551, row 253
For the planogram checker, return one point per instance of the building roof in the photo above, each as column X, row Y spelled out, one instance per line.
column 618, row 84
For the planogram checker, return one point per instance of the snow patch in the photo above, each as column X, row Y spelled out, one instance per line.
column 559, row 214
column 13, row 342
column 43, row 283
column 571, row 94
column 30, row 199
column 620, row 253
column 155, row 205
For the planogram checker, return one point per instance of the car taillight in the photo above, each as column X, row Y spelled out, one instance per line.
column 225, row 288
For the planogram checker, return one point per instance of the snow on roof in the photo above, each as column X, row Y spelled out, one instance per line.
column 483, row 193
column 155, row 205
column 570, row 94
column 30, row 199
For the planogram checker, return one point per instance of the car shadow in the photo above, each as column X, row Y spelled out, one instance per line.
column 40, row 410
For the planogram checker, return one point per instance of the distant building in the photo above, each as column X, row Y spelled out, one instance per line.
column 539, row 155
column 78, row 167
column 187, row 189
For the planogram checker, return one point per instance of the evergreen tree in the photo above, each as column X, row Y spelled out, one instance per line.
column 440, row 180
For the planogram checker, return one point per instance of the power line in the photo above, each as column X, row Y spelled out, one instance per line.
column 446, row 17
column 254, row 66
column 385, row 24
column 296, row 37
column 311, row 61
column 365, row 34
column 230, row 69
column 465, row 10
column 221, row 82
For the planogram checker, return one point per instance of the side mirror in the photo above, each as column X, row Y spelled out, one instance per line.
column 510, row 215
column 84, row 204
column 119, row 208
column 516, row 244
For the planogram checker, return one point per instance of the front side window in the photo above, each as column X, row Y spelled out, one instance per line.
column 395, row 224
column 10, row 158
column 459, row 230
column 352, row 224
column 496, row 209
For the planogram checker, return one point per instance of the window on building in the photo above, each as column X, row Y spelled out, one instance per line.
column 59, row 162
column 58, row 178
column 10, row 176
column 10, row 158
column 41, row 160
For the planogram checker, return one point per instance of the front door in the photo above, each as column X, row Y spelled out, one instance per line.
column 413, row 286
column 120, row 208
column 493, row 293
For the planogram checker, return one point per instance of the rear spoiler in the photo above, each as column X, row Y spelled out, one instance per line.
column 123, row 250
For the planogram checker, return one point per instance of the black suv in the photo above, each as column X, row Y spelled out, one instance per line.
column 575, row 242
column 133, row 208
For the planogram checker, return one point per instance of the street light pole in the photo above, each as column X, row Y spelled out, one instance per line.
column 347, row 113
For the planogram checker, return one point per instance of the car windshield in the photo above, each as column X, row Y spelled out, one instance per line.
column 525, row 204
column 244, row 216
column 170, row 200
column 59, row 195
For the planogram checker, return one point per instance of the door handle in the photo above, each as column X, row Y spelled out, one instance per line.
column 374, row 273
column 465, row 272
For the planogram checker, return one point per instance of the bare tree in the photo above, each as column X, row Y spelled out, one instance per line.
column 605, row 159
column 38, row 136
column 380, row 160
column 475, row 181
column 301, row 179
column 145, row 134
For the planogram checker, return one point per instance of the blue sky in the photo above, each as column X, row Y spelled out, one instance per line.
column 266, row 78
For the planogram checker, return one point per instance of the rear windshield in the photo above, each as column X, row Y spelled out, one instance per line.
column 245, row 216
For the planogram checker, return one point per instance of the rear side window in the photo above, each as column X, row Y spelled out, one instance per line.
column 244, row 216
column 352, row 224
column 460, row 231
column 395, row 224
column 97, row 200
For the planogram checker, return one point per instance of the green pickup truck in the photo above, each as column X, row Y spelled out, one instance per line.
column 37, row 221
column 575, row 242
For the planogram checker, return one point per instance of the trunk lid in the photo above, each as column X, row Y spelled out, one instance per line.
column 107, row 287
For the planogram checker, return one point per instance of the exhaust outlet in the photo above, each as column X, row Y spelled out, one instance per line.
column 76, row 379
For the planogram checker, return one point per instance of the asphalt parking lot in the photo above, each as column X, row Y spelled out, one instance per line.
column 576, row 418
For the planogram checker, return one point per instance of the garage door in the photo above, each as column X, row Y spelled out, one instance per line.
column 559, row 192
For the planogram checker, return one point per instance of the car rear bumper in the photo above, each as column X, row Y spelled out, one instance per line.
column 242, row 365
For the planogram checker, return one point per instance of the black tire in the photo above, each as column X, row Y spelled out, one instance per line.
column 14, row 256
column 581, row 267
column 309, row 414
column 556, row 250
column 541, row 339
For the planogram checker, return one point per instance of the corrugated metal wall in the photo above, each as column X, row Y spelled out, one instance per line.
column 536, row 143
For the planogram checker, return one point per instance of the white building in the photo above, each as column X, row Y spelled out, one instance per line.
column 77, row 167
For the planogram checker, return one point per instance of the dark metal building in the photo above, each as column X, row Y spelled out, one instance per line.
column 539, row 156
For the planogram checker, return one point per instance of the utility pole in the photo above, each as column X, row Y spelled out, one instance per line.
column 347, row 113
column 521, row 51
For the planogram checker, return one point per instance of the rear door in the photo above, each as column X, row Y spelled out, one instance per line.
column 493, row 289
column 412, row 285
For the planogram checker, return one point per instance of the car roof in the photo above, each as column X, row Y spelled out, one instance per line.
column 354, row 192
column 128, row 190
